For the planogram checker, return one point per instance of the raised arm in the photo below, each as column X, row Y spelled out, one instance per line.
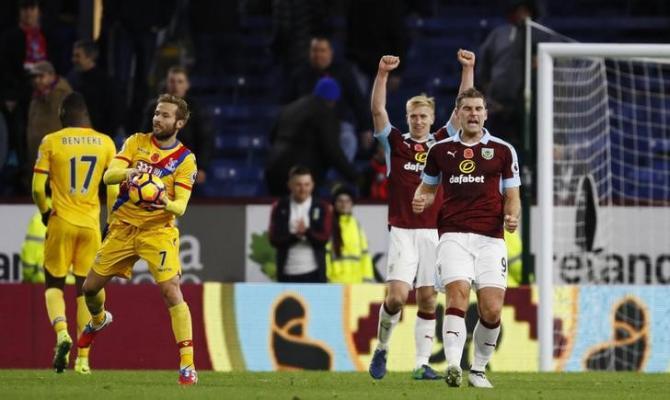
column 380, row 117
column 467, row 60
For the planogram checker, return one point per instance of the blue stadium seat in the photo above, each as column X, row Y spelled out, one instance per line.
column 244, row 107
column 236, row 189
column 241, row 143
column 235, row 170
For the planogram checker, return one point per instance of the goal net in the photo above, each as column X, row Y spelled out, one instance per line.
column 603, row 243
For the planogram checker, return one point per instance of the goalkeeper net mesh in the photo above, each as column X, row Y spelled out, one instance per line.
column 611, row 217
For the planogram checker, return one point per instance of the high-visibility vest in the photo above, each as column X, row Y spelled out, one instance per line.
column 354, row 264
column 32, row 251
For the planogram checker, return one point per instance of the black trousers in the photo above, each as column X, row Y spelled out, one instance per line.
column 310, row 277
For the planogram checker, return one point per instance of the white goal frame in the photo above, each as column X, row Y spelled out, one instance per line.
column 547, row 52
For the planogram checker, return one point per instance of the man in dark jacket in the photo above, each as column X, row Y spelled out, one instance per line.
column 102, row 95
column 21, row 47
column 300, row 227
column 307, row 133
column 352, row 110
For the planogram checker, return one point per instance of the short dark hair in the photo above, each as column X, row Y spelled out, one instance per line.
column 178, row 69
column 73, row 109
column 471, row 93
column 341, row 189
column 298, row 170
column 531, row 6
column 182, row 107
column 89, row 47
column 321, row 37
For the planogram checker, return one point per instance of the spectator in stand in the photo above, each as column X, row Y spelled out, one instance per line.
column 105, row 106
column 306, row 133
column 300, row 226
column 21, row 46
column 347, row 256
column 351, row 111
column 375, row 180
column 500, row 72
column 197, row 134
column 44, row 111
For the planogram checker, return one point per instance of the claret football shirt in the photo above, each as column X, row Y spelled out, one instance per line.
column 473, row 177
column 405, row 161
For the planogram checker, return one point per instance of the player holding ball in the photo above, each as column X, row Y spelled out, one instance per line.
column 145, row 229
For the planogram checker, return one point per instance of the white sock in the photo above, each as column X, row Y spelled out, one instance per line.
column 385, row 326
column 485, row 344
column 454, row 335
column 424, row 331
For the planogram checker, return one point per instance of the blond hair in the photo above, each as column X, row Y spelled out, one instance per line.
column 420, row 101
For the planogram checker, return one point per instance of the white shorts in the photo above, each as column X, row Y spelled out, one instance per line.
column 480, row 260
column 412, row 256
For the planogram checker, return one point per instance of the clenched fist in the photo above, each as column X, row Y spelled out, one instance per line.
column 511, row 223
column 466, row 58
column 389, row 63
column 418, row 204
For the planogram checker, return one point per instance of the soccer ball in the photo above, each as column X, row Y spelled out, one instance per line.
column 145, row 188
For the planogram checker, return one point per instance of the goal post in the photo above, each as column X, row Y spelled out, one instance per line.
column 589, row 74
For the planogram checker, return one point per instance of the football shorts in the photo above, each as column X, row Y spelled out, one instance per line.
column 69, row 245
column 125, row 244
column 411, row 256
column 480, row 260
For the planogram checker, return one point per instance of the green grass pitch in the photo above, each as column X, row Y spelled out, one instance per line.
column 45, row 384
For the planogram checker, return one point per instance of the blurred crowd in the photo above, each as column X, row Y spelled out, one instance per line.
column 328, row 129
column 47, row 54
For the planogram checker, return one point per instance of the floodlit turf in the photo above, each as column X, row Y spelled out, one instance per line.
column 43, row 384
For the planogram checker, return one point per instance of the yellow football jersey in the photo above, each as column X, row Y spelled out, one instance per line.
column 75, row 160
column 174, row 166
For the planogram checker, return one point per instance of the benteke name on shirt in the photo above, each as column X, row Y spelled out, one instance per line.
column 74, row 140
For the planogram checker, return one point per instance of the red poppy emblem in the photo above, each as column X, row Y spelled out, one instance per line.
column 418, row 147
column 468, row 153
column 154, row 157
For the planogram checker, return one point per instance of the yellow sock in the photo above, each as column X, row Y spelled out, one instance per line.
column 82, row 352
column 96, row 306
column 183, row 333
column 83, row 316
column 56, row 308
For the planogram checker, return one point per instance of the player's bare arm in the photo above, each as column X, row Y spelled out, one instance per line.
column 512, row 208
column 380, row 117
column 424, row 196
column 467, row 60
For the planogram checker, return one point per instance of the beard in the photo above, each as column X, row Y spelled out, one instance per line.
column 166, row 133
